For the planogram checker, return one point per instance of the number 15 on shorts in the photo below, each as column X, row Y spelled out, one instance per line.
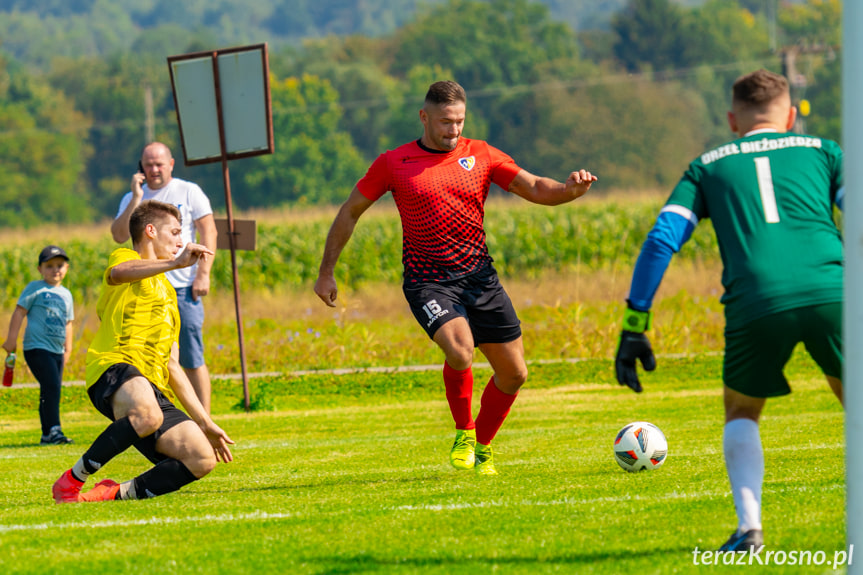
column 434, row 311
column 432, row 308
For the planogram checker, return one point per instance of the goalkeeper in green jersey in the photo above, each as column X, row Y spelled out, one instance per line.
column 770, row 195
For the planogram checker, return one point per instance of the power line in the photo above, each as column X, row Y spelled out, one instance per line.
column 483, row 93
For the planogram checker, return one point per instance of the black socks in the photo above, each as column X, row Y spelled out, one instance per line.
column 167, row 476
column 117, row 438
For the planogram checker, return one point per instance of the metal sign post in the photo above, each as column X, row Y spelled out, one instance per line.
column 224, row 112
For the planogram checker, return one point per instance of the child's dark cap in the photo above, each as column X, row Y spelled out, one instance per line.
column 52, row 252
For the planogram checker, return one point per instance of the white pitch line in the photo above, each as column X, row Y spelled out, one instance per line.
column 263, row 516
column 566, row 501
column 619, row 499
column 392, row 369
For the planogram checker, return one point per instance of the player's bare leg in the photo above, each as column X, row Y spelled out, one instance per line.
column 135, row 399
column 456, row 340
column 507, row 361
column 186, row 443
column 836, row 386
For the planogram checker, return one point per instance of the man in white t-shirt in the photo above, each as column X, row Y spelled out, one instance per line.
column 155, row 182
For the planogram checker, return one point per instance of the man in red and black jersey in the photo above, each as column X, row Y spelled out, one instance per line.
column 440, row 184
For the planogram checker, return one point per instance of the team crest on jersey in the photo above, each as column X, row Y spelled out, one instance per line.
column 467, row 163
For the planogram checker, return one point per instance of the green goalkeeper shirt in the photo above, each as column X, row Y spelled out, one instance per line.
column 770, row 198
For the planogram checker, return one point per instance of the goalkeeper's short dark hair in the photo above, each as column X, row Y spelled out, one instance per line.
column 758, row 89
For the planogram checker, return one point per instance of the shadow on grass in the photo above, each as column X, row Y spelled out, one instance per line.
column 331, row 482
column 364, row 563
column 32, row 444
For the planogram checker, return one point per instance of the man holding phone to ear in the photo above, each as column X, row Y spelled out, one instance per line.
column 154, row 181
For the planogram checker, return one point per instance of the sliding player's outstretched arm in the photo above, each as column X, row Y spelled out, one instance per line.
column 135, row 270
column 182, row 387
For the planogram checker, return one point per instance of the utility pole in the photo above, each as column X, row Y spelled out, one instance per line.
column 149, row 119
column 796, row 81
column 771, row 24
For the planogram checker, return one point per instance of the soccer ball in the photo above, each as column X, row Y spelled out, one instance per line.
column 640, row 445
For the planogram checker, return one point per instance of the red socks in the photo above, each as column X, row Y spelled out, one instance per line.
column 494, row 407
column 459, row 393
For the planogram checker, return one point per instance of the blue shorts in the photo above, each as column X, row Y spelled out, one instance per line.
column 191, row 329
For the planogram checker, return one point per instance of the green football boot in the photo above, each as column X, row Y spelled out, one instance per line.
column 462, row 454
column 484, row 460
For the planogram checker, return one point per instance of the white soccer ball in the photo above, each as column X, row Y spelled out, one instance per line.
column 640, row 445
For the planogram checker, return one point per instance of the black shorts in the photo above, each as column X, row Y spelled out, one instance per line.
column 109, row 382
column 479, row 298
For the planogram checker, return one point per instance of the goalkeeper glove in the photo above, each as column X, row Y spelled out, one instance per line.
column 634, row 345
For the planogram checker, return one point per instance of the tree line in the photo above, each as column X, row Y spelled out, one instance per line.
column 633, row 101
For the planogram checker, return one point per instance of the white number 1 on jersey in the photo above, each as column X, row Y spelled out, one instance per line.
column 765, row 186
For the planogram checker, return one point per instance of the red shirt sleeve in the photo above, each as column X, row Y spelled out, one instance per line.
column 376, row 182
column 505, row 168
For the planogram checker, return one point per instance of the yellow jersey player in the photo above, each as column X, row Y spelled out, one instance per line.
column 133, row 373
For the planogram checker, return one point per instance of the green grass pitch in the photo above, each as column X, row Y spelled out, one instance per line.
column 350, row 474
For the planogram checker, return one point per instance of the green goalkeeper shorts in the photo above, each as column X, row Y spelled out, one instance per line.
column 756, row 354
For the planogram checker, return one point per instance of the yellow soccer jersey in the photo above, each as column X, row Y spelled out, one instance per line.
column 140, row 322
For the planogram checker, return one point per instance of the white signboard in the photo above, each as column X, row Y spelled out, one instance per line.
column 223, row 103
